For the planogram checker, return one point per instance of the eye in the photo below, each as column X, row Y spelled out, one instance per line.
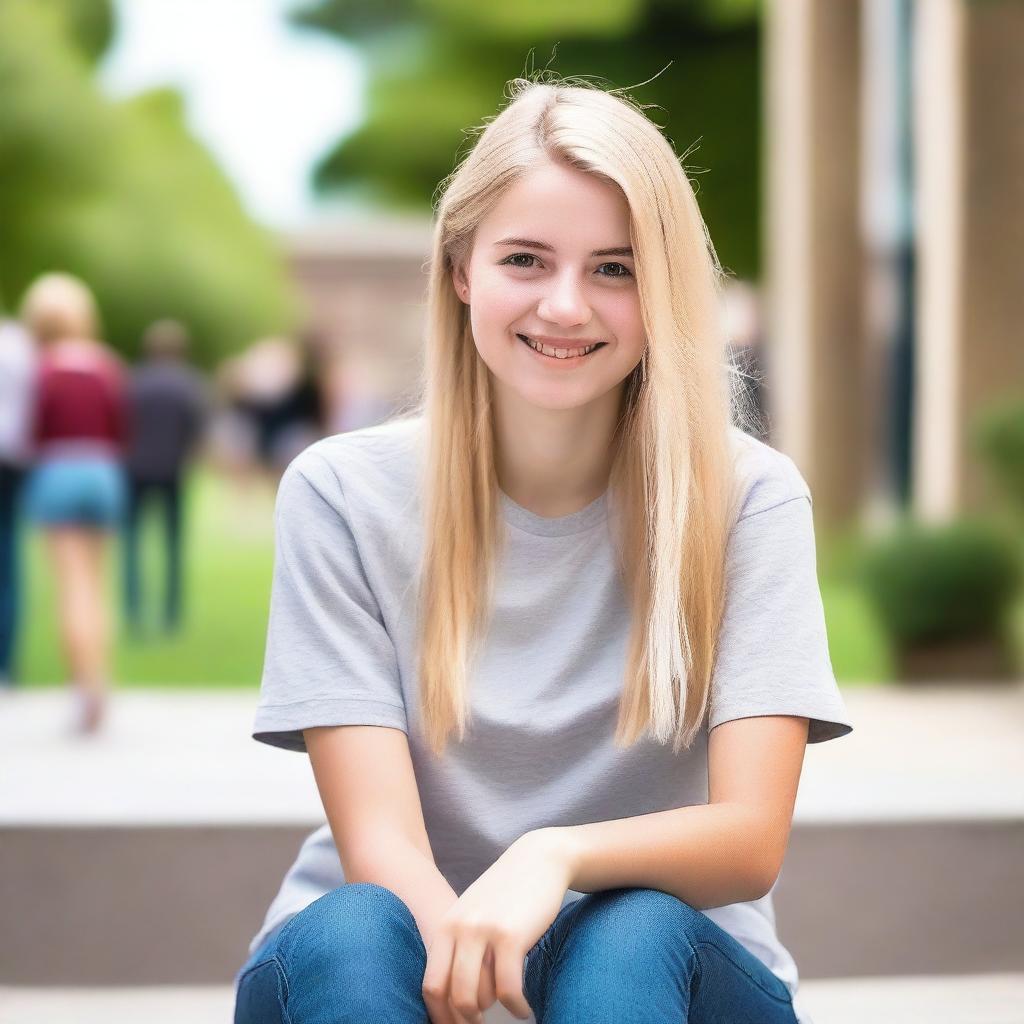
column 518, row 256
column 625, row 271
column 508, row 260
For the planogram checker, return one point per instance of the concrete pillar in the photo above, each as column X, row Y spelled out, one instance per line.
column 970, row 140
column 816, row 362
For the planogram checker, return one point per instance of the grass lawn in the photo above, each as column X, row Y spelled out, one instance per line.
column 228, row 564
column 227, row 585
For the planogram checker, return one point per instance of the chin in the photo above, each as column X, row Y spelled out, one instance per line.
column 556, row 398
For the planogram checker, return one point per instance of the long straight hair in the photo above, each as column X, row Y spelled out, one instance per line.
column 672, row 482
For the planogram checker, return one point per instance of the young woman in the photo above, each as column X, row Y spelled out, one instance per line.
column 490, row 617
column 76, row 491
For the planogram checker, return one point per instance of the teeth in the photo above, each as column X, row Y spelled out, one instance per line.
column 557, row 353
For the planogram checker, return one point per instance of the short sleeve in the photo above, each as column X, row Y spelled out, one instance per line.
column 772, row 655
column 329, row 659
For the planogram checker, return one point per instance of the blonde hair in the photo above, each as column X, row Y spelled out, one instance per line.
column 672, row 479
column 57, row 306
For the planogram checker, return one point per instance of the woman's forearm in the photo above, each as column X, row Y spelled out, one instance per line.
column 398, row 864
column 707, row 855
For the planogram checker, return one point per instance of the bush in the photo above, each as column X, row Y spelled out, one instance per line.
column 998, row 435
column 938, row 583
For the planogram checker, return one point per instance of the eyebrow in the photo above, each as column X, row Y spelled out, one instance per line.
column 529, row 243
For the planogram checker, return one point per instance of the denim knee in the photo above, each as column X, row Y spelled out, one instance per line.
column 351, row 944
column 633, row 923
column 358, row 919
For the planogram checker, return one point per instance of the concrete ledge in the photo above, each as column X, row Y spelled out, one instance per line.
column 177, row 905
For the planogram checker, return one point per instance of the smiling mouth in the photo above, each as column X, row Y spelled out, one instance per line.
column 560, row 355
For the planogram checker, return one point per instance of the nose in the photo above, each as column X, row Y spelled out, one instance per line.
column 565, row 304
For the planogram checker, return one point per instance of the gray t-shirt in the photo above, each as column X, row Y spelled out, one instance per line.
column 341, row 650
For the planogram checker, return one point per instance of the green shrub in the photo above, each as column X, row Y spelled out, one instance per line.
column 998, row 435
column 951, row 581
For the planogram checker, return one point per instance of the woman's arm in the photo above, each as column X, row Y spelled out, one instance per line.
column 366, row 781
column 727, row 851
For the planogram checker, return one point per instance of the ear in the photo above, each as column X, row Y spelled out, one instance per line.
column 461, row 282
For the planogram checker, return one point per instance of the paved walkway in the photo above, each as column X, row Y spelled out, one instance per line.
column 187, row 757
column 975, row 999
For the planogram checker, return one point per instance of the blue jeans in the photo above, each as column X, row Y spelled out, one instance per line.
column 10, row 583
column 621, row 956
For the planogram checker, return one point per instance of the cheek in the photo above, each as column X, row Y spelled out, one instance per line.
column 623, row 315
column 498, row 302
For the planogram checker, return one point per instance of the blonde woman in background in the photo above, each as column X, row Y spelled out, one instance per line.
column 553, row 643
column 75, row 492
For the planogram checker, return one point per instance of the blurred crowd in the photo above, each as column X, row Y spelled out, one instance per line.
column 91, row 446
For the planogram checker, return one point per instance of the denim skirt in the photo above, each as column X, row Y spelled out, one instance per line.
column 82, row 491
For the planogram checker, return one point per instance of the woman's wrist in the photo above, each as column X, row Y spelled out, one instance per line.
column 560, row 844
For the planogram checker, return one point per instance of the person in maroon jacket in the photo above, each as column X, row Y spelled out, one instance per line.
column 76, row 489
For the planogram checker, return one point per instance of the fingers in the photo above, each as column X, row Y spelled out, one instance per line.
column 435, row 981
column 459, row 1018
column 464, row 979
column 451, row 981
column 467, row 967
column 487, row 994
column 508, row 976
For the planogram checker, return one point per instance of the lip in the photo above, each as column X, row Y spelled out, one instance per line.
column 551, row 342
column 553, row 361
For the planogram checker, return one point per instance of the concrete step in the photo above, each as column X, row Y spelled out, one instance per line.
column 853, row 900
column 955, row 999
column 905, row 856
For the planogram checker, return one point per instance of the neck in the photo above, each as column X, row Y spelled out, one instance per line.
column 554, row 461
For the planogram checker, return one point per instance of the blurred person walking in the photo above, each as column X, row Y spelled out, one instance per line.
column 168, row 403
column 276, row 390
column 76, row 489
column 357, row 393
column 17, row 382
column 269, row 408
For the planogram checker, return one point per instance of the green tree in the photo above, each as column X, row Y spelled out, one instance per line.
column 438, row 66
column 121, row 194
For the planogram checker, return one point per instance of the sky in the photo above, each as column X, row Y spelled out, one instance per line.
column 266, row 98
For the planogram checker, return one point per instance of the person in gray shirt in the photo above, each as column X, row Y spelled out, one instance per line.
column 574, row 599
column 341, row 649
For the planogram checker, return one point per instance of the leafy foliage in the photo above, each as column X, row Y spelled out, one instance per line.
column 438, row 67
column 933, row 582
column 998, row 434
column 122, row 195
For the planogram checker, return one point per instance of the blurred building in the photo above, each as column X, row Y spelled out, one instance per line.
column 895, row 180
column 363, row 284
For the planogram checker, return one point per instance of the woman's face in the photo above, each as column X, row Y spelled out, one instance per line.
column 552, row 263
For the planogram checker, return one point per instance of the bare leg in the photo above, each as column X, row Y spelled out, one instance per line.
column 77, row 555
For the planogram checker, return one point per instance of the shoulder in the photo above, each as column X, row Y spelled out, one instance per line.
column 766, row 477
column 85, row 355
column 360, row 470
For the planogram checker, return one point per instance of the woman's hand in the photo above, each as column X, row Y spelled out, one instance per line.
column 477, row 952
